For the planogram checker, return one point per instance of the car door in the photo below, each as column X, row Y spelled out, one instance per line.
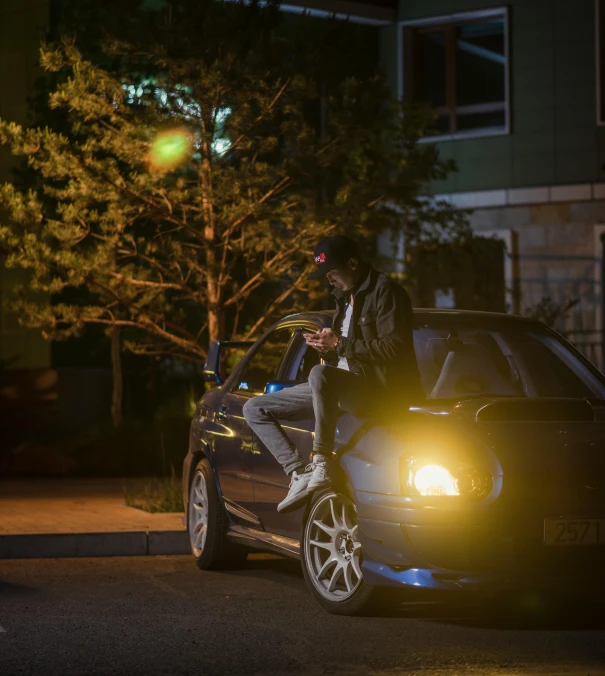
column 262, row 365
column 270, row 481
column 232, row 440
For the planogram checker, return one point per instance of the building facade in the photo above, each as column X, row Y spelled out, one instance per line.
column 519, row 89
column 521, row 109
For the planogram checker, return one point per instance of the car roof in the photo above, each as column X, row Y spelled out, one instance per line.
column 475, row 317
column 472, row 316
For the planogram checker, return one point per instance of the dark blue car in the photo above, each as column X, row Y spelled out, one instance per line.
column 495, row 480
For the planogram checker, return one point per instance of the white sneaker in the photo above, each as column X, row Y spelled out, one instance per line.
column 320, row 476
column 298, row 491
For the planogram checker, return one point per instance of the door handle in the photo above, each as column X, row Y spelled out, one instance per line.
column 221, row 414
column 250, row 445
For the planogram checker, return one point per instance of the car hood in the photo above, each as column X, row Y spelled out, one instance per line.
column 546, row 464
column 372, row 450
column 550, row 465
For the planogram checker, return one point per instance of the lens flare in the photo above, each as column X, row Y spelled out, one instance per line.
column 170, row 149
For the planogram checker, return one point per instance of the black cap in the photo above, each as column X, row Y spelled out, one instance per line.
column 331, row 252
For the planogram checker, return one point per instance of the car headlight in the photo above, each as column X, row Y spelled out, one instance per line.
column 425, row 478
column 435, row 480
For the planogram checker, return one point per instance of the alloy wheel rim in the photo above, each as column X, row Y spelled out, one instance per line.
column 332, row 548
column 198, row 513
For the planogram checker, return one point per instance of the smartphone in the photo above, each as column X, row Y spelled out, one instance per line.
column 301, row 330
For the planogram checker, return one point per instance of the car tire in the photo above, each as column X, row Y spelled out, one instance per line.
column 207, row 523
column 331, row 557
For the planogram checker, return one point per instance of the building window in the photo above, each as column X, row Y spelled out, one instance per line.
column 459, row 64
column 600, row 38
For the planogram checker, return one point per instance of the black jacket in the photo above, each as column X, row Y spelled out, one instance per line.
column 380, row 343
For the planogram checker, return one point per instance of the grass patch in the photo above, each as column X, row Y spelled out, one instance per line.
column 163, row 494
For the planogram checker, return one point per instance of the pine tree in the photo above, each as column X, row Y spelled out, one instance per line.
column 196, row 170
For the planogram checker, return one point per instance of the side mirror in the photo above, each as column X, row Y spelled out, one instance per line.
column 277, row 385
column 212, row 367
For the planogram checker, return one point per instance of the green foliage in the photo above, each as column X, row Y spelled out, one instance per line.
column 178, row 255
column 164, row 494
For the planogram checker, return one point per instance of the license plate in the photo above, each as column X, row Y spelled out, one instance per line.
column 574, row 531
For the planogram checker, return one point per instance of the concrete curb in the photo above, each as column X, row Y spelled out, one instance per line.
column 61, row 545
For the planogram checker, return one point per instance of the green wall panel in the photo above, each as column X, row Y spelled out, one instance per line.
column 541, row 141
column 493, row 146
column 483, row 173
column 554, row 136
column 571, row 116
column 532, row 120
column 532, row 169
column 531, row 81
column 539, row 56
column 579, row 139
column 571, row 167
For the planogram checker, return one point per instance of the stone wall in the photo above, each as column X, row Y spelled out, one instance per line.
column 556, row 254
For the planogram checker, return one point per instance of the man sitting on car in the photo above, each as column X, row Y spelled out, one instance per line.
column 371, row 346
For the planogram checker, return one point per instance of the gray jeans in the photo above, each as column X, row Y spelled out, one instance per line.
column 328, row 393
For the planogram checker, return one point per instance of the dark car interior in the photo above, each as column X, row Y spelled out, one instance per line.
column 454, row 359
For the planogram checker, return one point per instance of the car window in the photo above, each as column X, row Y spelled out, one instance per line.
column 264, row 364
column 465, row 361
column 556, row 371
column 457, row 359
column 305, row 359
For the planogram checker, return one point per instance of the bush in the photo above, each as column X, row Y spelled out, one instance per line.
column 156, row 495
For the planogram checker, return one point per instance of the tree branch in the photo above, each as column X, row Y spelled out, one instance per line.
column 140, row 282
column 262, row 200
column 278, row 301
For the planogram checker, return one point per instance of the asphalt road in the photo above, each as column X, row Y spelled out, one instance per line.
column 160, row 615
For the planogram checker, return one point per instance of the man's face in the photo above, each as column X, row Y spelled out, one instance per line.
column 344, row 276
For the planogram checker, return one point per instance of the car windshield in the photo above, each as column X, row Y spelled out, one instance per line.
column 518, row 360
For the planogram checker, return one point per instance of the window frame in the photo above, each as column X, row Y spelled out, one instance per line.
column 294, row 353
column 451, row 21
column 234, row 389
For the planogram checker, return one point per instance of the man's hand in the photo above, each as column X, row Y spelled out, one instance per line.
column 322, row 341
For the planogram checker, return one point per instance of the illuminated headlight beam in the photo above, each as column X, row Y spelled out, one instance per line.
column 435, row 480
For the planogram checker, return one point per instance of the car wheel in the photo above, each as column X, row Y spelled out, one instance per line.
column 207, row 523
column 332, row 556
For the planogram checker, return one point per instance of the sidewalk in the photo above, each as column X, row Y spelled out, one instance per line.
column 81, row 517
